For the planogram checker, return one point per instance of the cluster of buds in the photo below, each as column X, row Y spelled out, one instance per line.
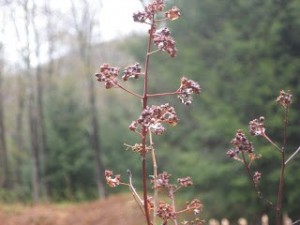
column 165, row 212
column 164, row 41
column 162, row 180
column 112, row 181
column 185, row 181
column 195, row 206
column 257, row 127
column 256, row 177
column 173, row 13
column 187, row 88
column 150, row 9
column 241, row 143
column 132, row 71
column 153, row 117
column 108, row 75
column 154, row 7
column 284, row 98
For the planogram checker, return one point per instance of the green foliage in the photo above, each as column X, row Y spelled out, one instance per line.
column 69, row 168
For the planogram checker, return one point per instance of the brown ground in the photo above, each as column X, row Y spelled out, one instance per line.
column 114, row 210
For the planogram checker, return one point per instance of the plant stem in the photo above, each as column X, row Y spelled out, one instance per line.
column 171, row 194
column 164, row 94
column 269, row 139
column 282, row 169
column 136, row 197
column 144, row 129
column 155, row 194
column 292, row 156
column 257, row 190
column 128, row 91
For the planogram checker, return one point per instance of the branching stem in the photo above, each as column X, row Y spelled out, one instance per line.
column 136, row 197
column 155, row 194
column 130, row 92
column 164, row 94
column 292, row 156
column 257, row 190
column 144, row 129
column 282, row 169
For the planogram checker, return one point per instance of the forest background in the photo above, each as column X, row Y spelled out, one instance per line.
column 59, row 129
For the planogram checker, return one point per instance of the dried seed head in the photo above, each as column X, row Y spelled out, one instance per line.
column 112, row 181
column 256, row 177
column 173, row 13
column 186, row 89
column 165, row 211
column 153, row 117
column 195, row 206
column 132, row 71
column 284, row 98
column 241, row 142
column 257, row 127
column 164, row 42
column 233, row 153
column 108, row 75
column 162, row 180
column 185, row 181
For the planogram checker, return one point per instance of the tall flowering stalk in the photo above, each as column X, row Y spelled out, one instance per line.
column 153, row 119
column 243, row 151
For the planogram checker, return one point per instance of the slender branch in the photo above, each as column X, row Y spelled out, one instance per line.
column 292, row 156
column 136, row 197
column 164, row 94
column 257, row 190
column 144, row 129
column 171, row 193
column 155, row 51
column 155, row 194
column 296, row 222
column 128, row 91
column 269, row 140
column 282, row 169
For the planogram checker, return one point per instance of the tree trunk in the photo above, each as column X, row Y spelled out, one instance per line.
column 3, row 147
column 19, row 130
column 96, row 145
column 84, row 26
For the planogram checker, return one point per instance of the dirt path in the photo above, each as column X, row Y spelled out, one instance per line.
column 112, row 211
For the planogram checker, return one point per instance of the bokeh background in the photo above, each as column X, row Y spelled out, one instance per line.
column 59, row 127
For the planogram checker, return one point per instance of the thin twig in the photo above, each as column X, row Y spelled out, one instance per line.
column 164, row 94
column 257, row 190
column 296, row 222
column 155, row 51
column 128, row 91
column 171, row 194
column 155, row 194
column 292, row 156
column 136, row 197
column 269, row 139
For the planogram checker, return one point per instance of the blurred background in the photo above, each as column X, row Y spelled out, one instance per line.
column 59, row 128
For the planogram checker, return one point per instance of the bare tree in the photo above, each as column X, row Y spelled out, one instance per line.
column 5, row 182
column 30, row 90
column 84, row 25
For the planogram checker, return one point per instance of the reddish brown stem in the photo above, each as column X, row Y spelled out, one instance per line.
column 164, row 94
column 257, row 190
column 144, row 129
column 128, row 91
column 282, row 169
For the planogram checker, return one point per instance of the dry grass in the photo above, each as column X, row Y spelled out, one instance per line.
column 115, row 210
